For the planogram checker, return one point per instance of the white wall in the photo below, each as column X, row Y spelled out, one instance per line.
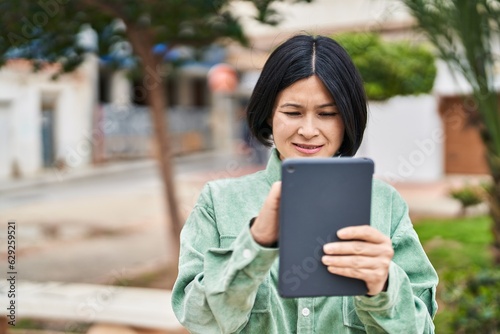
column 323, row 14
column 75, row 109
column 404, row 137
column 27, row 123
column 22, row 91
column 23, row 144
column 6, row 131
column 121, row 88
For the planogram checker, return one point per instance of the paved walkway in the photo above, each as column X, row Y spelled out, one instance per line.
column 97, row 238
column 92, row 238
column 431, row 199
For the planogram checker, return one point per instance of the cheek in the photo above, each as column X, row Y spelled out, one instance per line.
column 278, row 121
column 337, row 133
column 282, row 126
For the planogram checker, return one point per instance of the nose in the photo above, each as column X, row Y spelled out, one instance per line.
column 308, row 128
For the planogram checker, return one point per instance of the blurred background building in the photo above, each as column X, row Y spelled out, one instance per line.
column 98, row 113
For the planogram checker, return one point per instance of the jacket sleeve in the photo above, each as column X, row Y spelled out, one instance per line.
column 216, row 287
column 408, row 306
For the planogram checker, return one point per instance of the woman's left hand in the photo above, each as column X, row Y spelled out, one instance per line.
column 365, row 253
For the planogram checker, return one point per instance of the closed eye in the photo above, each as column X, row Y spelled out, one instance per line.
column 291, row 113
column 329, row 114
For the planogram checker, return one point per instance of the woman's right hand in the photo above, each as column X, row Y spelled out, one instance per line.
column 265, row 229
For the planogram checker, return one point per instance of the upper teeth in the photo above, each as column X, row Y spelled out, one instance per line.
column 304, row 146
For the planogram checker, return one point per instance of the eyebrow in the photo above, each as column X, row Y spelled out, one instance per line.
column 295, row 105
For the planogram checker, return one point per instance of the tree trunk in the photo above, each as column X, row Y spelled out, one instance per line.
column 157, row 103
column 495, row 228
column 494, row 199
column 486, row 99
column 142, row 43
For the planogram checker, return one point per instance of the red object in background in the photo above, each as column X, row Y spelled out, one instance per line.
column 222, row 78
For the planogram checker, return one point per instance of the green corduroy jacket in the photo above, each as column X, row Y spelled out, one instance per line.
column 227, row 282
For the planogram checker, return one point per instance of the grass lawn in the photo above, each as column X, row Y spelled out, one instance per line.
column 456, row 248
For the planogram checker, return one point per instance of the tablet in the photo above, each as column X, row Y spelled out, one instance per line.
column 319, row 196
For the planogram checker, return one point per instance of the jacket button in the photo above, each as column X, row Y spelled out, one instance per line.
column 305, row 312
column 247, row 253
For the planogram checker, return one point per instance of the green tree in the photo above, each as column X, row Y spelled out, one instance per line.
column 47, row 31
column 390, row 68
column 464, row 33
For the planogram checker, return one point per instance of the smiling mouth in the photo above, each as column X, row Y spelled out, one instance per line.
column 308, row 147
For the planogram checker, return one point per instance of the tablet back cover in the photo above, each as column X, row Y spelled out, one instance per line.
column 319, row 196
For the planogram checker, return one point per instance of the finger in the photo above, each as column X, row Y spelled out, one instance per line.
column 352, row 248
column 276, row 188
column 370, row 276
column 361, row 274
column 364, row 232
column 275, row 193
column 355, row 262
column 376, row 282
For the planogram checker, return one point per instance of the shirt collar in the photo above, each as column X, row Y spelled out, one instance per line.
column 273, row 169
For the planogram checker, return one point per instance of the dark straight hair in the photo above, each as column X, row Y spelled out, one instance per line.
column 299, row 58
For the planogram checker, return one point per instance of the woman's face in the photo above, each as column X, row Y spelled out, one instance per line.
column 306, row 122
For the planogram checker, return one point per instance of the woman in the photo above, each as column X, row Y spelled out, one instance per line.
column 309, row 101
